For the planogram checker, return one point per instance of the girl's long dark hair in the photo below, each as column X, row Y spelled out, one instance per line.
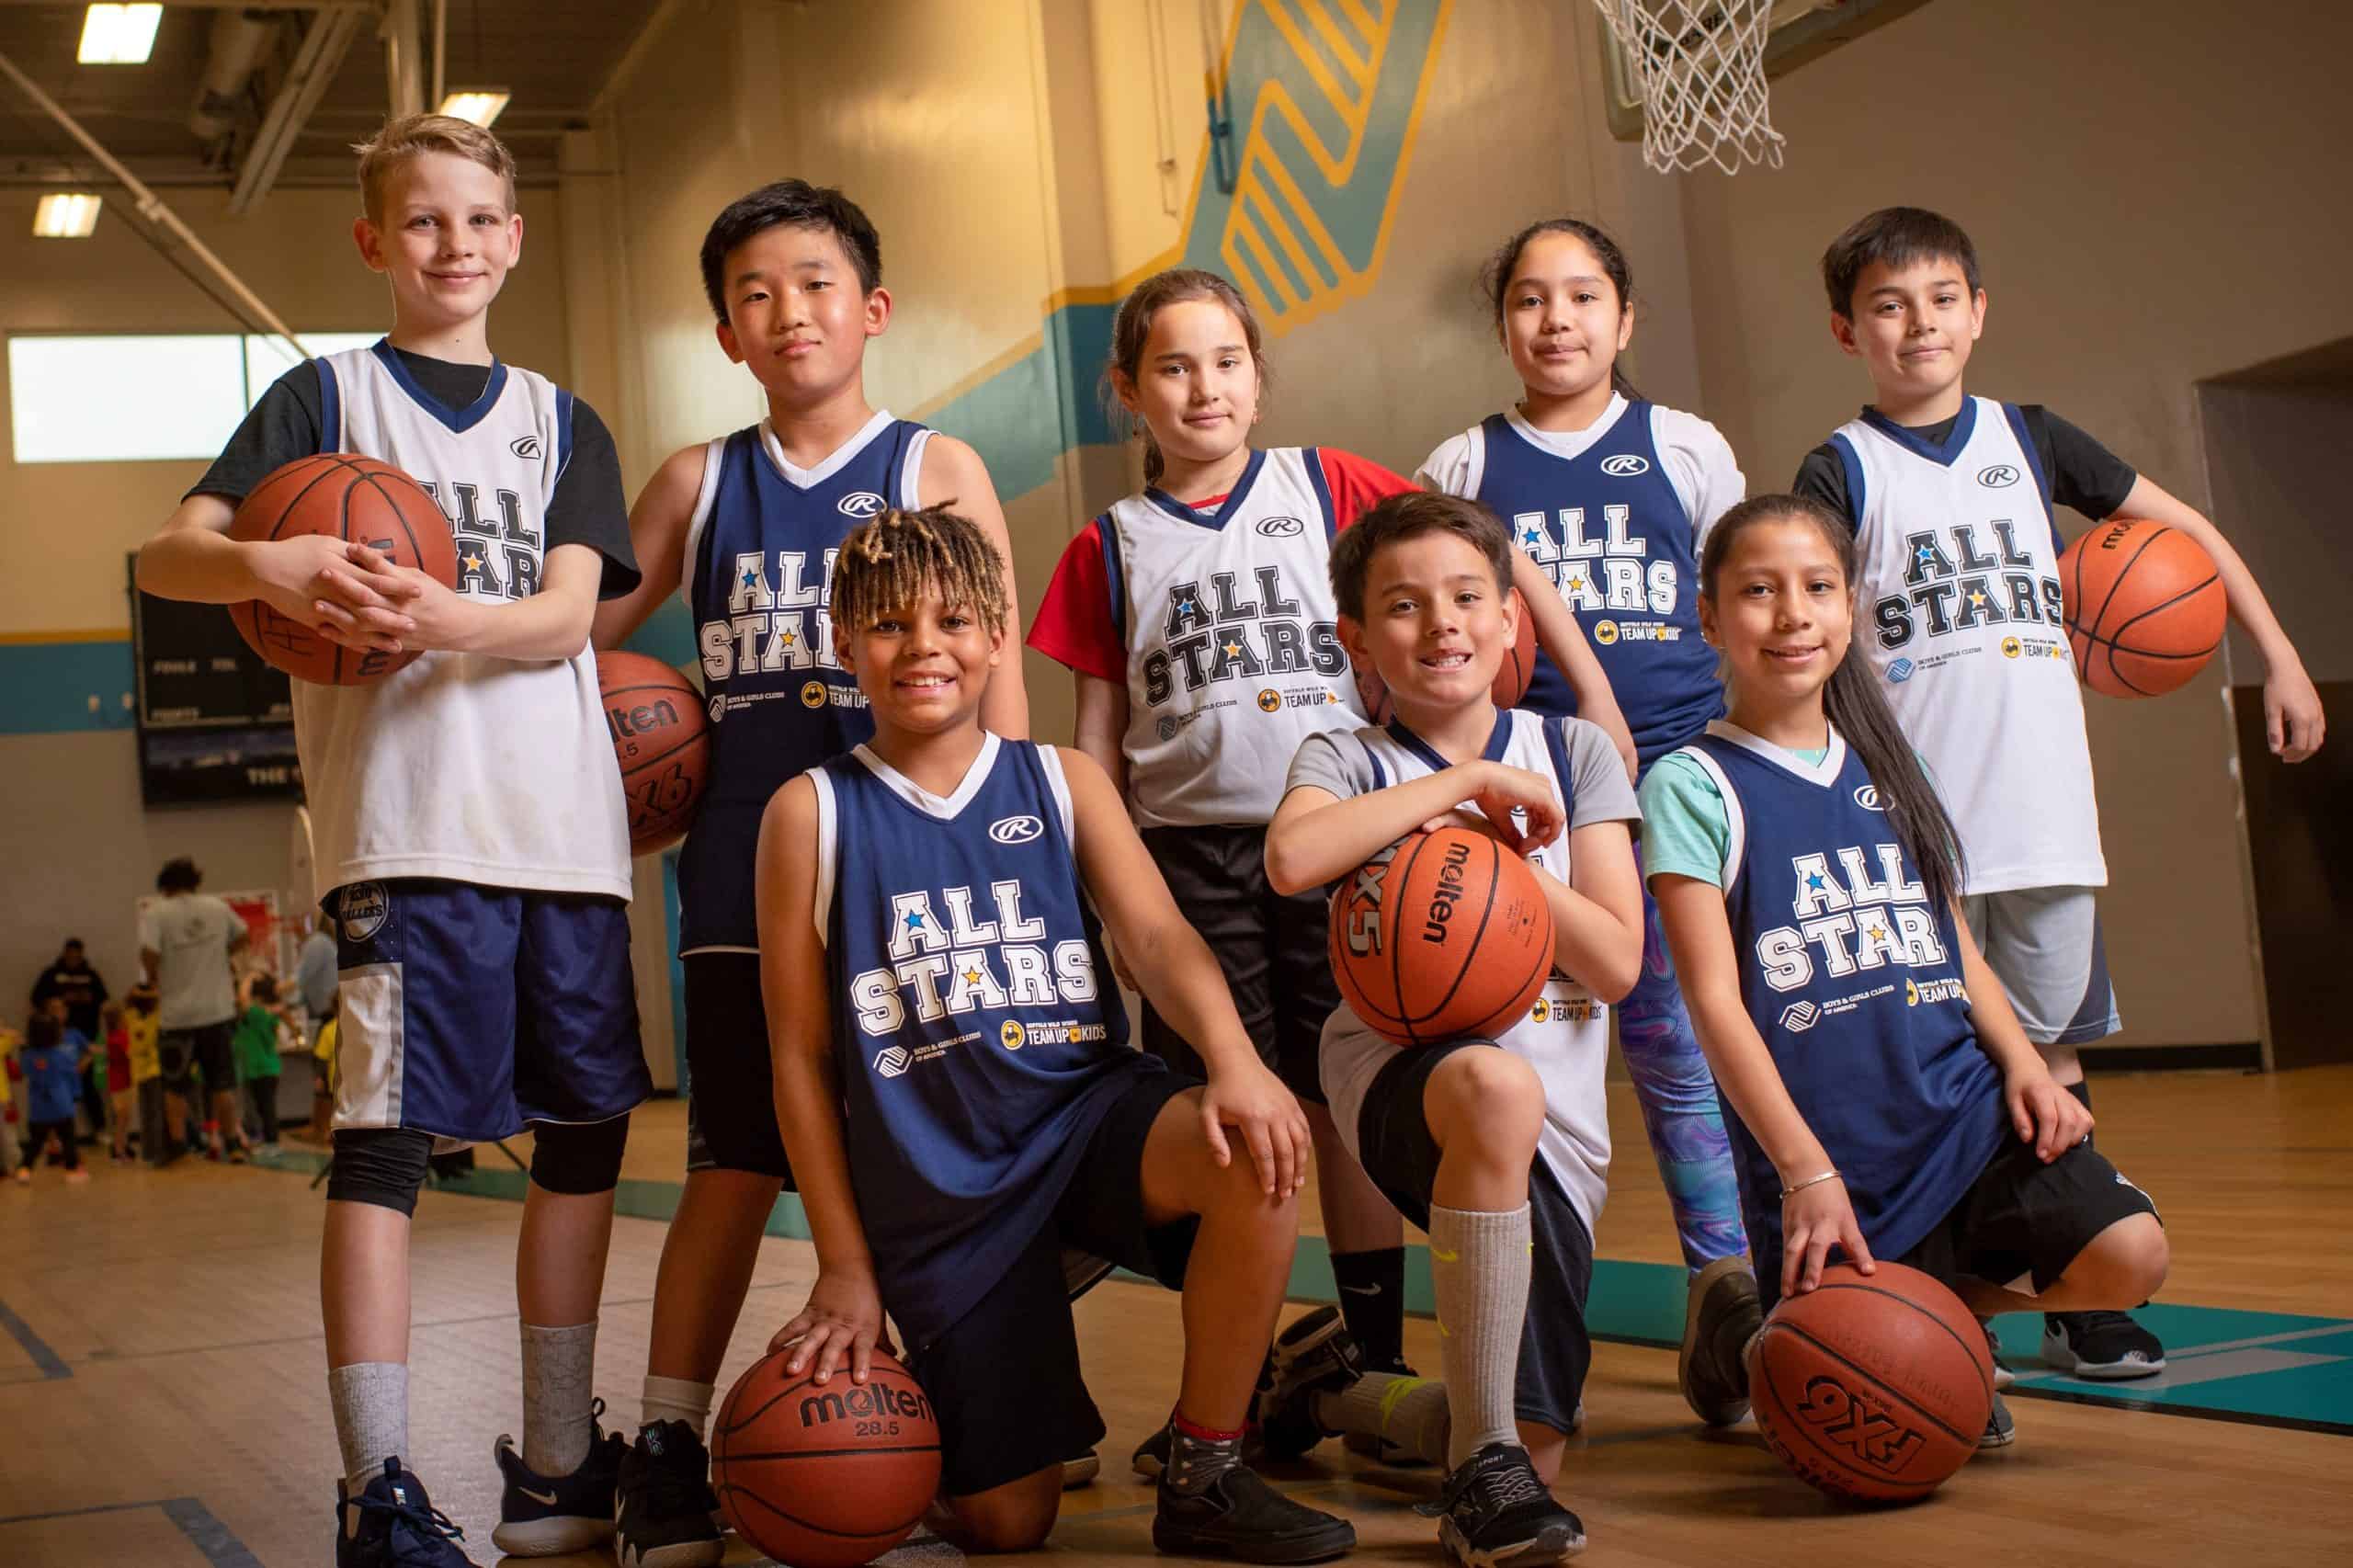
column 1495, row 279
column 1132, row 329
column 1855, row 705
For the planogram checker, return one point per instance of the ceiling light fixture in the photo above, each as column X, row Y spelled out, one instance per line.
column 119, row 35
column 65, row 215
column 479, row 105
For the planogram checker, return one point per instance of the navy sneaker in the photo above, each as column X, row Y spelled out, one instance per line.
column 542, row 1516
column 392, row 1524
column 666, row 1505
column 1240, row 1517
column 2109, row 1346
column 1498, row 1513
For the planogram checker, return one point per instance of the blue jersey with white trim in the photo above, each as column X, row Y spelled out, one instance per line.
column 1853, row 980
column 759, row 557
column 978, row 1040
column 1609, row 529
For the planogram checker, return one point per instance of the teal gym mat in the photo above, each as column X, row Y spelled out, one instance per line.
column 2270, row 1368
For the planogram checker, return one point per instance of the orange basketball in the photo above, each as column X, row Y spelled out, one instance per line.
column 344, row 498
column 1443, row 936
column 2145, row 607
column 662, row 742
column 824, row 1477
column 1874, row 1389
column 1511, row 676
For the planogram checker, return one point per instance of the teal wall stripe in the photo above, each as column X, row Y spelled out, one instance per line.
column 45, row 687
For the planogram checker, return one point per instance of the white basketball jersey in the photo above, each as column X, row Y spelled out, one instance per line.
column 464, row 766
column 1233, row 643
column 1565, row 1036
column 1958, row 611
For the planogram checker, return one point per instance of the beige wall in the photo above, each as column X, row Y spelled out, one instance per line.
column 2146, row 217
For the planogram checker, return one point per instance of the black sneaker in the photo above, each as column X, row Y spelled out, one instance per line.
column 2000, row 1430
column 1239, row 1516
column 666, row 1501
column 1150, row 1456
column 2107, row 1347
column 1077, row 1472
column 542, row 1516
column 392, row 1524
column 2002, row 1376
column 1314, row 1354
column 1498, row 1513
column 1719, row 1315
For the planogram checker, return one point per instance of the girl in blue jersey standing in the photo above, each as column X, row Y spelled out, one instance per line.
column 1612, row 497
column 1886, row 1102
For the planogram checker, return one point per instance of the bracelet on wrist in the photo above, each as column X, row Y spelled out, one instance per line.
column 1797, row 1186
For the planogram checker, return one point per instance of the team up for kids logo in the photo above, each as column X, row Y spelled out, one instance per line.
column 1231, row 630
column 1612, row 575
column 1853, row 912
column 1966, row 578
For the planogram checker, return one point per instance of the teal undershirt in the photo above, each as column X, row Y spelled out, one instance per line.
column 1685, row 830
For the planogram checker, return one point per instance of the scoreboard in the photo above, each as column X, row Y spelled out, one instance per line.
column 216, row 725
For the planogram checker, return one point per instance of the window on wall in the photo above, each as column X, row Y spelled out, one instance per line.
column 122, row 398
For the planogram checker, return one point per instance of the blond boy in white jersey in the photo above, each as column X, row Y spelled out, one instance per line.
column 1952, row 499
column 469, row 831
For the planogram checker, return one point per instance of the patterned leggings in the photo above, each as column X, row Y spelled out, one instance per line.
column 1680, row 1111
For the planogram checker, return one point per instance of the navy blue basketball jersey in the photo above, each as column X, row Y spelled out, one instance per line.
column 759, row 557
column 1853, row 979
column 979, row 1038
column 1611, row 532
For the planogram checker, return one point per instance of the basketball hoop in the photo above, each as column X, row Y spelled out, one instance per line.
column 1699, row 69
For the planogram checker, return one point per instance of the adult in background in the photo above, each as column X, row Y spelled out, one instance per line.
column 185, row 940
column 73, row 978
column 314, row 972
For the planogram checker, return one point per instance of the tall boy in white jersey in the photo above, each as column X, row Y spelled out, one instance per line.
column 745, row 528
column 1952, row 499
column 468, row 830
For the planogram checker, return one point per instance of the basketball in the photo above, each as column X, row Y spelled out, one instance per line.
column 662, row 742
column 1443, row 936
column 1511, row 676
column 344, row 498
column 824, row 1477
column 2145, row 607
column 1874, row 1389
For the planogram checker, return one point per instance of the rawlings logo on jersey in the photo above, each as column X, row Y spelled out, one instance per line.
column 859, row 503
column 1016, row 830
column 525, row 447
column 1962, row 580
column 1221, row 632
column 1282, row 527
column 1625, row 465
column 1998, row 476
column 1867, row 797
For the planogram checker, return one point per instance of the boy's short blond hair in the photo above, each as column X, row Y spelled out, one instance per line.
column 411, row 135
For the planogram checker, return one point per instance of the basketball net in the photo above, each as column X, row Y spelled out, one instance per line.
column 1700, row 65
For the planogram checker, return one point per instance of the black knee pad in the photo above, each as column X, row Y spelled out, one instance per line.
column 383, row 1165
column 578, row 1157
column 2082, row 1090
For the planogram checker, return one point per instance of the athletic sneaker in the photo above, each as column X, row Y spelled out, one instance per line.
column 542, row 1516
column 1720, row 1313
column 1239, row 1516
column 2000, row 1430
column 667, row 1504
column 2109, row 1346
column 1499, row 1514
column 392, row 1524
column 2002, row 1376
column 1314, row 1354
column 1078, row 1471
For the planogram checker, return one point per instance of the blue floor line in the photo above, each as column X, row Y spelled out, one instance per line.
column 220, row 1545
column 51, row 1363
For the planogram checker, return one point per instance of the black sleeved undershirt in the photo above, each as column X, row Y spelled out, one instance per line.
column 2085, row 475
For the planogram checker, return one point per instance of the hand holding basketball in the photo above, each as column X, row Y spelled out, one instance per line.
column 1814, row 1220
column 1502, row 792
column 840, row 1327
column 1253, row 1102
column 308, row 579
column 433, row 613
column 2044, row 1114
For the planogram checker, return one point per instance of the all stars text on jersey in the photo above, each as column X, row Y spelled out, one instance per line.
column 941, row 968
column 773, row 622
column 1952, row 582
column 1850, row 919
column 1612, row 573
column 1219, row 634
column 483, row 542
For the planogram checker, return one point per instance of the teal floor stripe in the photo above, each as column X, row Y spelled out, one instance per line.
column 2275, row 1369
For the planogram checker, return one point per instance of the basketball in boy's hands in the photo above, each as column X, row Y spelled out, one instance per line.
column 2145, row 607
column 1874, row 1387
column 1511, row 676
column 344, row 498
column 1443, row 936
column 662, row 742
column 824, row 1475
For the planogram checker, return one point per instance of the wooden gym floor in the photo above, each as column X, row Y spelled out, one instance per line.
column 163, row 1403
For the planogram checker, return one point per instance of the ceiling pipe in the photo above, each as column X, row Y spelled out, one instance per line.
column 324, row 43
column 240, row 39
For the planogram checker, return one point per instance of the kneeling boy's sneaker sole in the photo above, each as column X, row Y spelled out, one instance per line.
column 683, row 1555
column 1239, row 1516
column 1553, row 1543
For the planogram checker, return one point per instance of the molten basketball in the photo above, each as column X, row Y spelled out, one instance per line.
column 662, row 742
column 1443, row 936
column 1874, row 1389
column 2145, row 607
column 1511, row 676
column 824, row 1477
column 344, row 497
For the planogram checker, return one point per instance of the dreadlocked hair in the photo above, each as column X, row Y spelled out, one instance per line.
column 898, row 557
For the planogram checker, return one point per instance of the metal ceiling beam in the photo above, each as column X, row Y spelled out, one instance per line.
column 324, row 43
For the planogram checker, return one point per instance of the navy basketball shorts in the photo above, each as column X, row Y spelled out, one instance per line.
column 731, row 1092
column 2021, row 1216
column 469, row 1012
column 1394, row 1145
column 1270, row 947
column 1004, row 1379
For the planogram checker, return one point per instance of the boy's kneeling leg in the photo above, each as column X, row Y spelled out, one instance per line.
column 1016, row 1516
column 2117, row 1269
